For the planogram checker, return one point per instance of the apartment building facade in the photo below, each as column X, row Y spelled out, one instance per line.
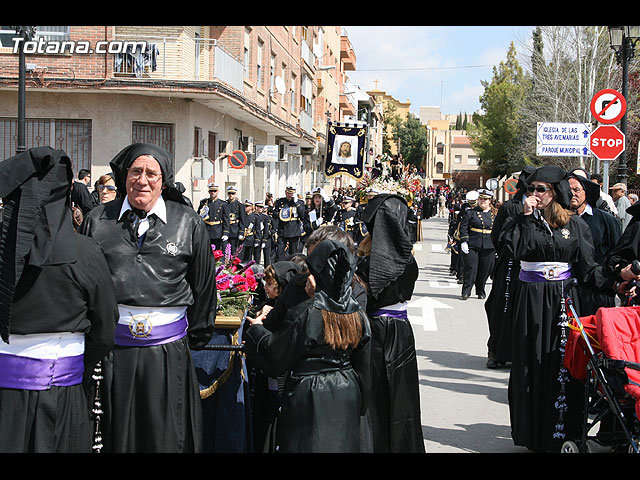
column 450, row 157
column 212, row 95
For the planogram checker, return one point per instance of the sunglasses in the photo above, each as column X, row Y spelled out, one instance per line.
column 111, row 188
column 539, row 188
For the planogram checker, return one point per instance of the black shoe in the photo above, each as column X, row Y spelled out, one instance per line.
column 464, row 297
column 482, row 296
column 460, row 281
column 491, row 363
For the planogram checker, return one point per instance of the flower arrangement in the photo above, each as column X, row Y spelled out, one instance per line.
column 236, row 283
column 408, row 185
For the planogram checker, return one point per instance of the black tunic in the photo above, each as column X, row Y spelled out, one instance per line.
column 324, row 394
column 499, row 304
column 394, row 408
column 56, row 419
column 152, row 401
column 605, row 233
column 534, row 384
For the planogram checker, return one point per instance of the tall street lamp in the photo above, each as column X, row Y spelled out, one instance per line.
column 623, row 41
column 27, row 33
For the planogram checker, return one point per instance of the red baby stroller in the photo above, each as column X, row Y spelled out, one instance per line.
column 603, row 350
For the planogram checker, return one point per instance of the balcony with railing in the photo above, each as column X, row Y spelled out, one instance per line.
column 176, row 58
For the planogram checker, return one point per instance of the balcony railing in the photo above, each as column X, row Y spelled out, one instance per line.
column 178, row 58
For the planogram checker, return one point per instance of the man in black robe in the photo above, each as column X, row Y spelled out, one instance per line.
column 160, row 259
column 605, row 233
column 57, row 309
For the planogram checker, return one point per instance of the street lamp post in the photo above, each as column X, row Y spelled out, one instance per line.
column 26, row 33
column 623, row 41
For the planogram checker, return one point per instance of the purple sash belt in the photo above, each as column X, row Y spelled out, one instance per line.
column 402, row 314
column 146, row 335
column 548, row 274
column 27, row 373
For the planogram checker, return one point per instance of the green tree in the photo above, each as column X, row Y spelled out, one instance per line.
column 412, row 138
column 493, row 133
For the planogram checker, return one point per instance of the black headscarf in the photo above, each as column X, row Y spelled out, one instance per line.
column 37, row 229
column 386, row 219
column 123, row 160
column 558, row 178
column 333, row 265
column 285, row 271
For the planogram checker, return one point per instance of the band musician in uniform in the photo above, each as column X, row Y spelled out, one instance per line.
column 235, row 220
column 213, row 212
column 346, row 215
column 288, row 214
column 476, row 245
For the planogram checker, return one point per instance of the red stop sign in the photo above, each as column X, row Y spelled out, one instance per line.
column 607, row 142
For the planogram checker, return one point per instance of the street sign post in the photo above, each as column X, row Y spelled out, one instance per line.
column 563, row 139
column 607, row 142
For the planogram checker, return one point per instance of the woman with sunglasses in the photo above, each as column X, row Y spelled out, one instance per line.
column 106, row 188
column 553, row 246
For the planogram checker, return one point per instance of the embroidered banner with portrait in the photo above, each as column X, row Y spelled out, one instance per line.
column 346, row 146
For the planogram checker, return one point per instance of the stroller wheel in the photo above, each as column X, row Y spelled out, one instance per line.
column 569, row 447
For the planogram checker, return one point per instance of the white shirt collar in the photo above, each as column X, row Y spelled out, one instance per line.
column 588, row 210
column 159, row 209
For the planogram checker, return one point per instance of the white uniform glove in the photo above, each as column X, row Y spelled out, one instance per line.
column 464, row 247
column 225, row 238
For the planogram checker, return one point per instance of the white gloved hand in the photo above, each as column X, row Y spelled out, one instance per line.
column 464, row 247
column 225, row 238
column 325, row 197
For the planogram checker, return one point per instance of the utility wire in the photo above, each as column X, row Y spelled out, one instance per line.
column 418, row 68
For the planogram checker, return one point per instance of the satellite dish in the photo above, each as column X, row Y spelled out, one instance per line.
column 280, row 85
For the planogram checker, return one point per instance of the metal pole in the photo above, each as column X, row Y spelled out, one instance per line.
column 21, row 94
column 622, row 163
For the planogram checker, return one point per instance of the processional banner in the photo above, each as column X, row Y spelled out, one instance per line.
column 346, row 146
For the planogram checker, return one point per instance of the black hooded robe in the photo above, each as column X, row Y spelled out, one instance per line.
column 504, row 276
column 60, row 291
column 326, row 391
column 151, row 393
column 390, row 271
column 537, row 376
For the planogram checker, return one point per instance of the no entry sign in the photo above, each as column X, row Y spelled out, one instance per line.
column 607, row 142
column 608, row 106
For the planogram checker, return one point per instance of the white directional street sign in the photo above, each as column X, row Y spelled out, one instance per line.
column 563, row 139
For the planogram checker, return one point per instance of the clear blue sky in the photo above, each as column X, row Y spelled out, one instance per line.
column 432, row 65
